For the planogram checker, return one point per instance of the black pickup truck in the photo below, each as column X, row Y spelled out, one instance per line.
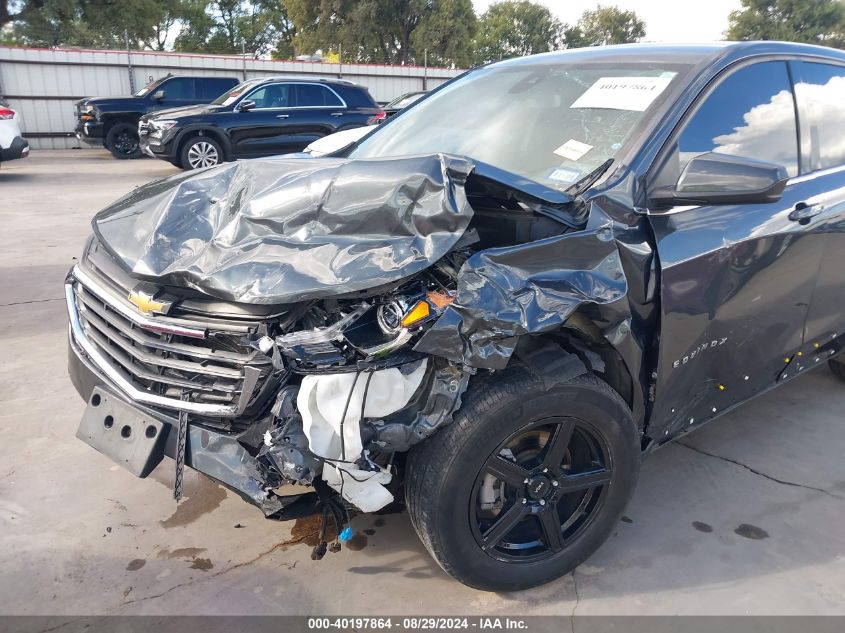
column 113, row 121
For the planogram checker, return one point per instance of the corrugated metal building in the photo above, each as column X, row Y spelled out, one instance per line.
column 42, row 84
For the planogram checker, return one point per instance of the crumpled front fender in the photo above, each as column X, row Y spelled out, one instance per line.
column 533, row 288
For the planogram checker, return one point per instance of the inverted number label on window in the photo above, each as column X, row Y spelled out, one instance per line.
column 622, row 93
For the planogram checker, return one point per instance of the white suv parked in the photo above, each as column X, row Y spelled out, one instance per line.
column 12, row 144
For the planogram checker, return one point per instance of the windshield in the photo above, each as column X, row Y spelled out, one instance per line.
column 552, row 123
column 228, row 98
column 149, row 87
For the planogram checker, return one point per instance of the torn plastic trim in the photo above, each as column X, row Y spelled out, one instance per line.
column 549, row 361
column 434, row 408
column 223, row 458
column 319, row 335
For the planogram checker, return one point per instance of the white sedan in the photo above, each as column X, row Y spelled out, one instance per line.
column 12, row 143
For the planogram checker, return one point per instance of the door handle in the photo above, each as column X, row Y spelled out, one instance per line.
column 282, row 116
column 337, row 113
column 804, row 211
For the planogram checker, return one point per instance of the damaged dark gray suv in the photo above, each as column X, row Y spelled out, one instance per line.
column 493, row 315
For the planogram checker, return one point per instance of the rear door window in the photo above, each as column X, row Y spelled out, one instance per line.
column 820, row 93
column 179, row 88
column 212, row 87
column 313, row 95
column 750, row 113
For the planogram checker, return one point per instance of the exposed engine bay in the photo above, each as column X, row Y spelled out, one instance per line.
column 363, row 393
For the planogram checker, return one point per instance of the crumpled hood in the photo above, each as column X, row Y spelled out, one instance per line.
column 282, row 230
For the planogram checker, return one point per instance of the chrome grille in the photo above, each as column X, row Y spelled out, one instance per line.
column 183, row 364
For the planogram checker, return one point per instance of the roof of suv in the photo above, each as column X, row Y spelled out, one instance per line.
column 310, row 79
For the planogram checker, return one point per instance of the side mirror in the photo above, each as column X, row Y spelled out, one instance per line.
column 159, row 95
column 246, row 105
column 714, row 178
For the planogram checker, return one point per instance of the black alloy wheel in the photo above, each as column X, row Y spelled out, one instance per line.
column 547, row 483
column 527, row 481
column 122, row 141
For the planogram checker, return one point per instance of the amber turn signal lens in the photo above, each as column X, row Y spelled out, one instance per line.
column 416, row 314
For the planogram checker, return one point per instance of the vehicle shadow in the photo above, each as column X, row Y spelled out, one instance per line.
column 10, row 176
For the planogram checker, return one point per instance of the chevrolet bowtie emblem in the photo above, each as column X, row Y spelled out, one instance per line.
column 145, row 303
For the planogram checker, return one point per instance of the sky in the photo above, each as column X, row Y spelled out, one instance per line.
column 666, row 20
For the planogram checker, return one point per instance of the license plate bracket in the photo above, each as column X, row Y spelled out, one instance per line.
column 118, row 430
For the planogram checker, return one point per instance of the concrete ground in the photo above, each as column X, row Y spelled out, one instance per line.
column 744, row 517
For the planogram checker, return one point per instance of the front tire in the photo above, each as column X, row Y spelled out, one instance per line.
column 122, row 141
column 199, row 152
column 526, row 483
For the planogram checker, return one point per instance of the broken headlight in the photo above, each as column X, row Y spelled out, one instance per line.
column 366, row 331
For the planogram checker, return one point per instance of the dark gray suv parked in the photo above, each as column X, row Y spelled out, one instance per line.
column 494, row 306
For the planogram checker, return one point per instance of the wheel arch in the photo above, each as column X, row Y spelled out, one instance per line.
column 578, row 347
column 202, row 130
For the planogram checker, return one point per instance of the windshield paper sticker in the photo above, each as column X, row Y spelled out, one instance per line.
column 573, row 150
column 622, row 93
column 562, row 174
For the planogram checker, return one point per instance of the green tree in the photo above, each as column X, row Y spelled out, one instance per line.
column 320, row 24
column 97, row 23
column 385, row 31
column 812, row 21
column 446, row 32
column 605, row 25
column 169, row 15
column 380, row 30
column 513, row 28
column 232, row 26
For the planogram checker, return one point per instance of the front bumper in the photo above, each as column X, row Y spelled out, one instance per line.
column 90, row 132
column 223, row 456
column 208, row 451
column 156, row 149
column 218, row 455
column 19, row 148
column 157, row 146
